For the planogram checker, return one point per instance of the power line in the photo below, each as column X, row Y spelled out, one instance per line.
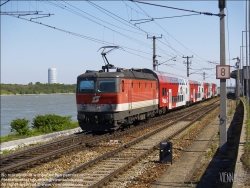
column 152, row 19
column 169, row 33
column 4, row 2
column 130, row 24
column 205, row 13
column 164, row 30
column 113, row 30
column 90, row 38
column 103, row 20
column 133, row 8
column 126, row 36
column 83, row 36
column 98, row 7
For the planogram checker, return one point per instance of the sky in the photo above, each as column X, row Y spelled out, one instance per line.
column 68, row 34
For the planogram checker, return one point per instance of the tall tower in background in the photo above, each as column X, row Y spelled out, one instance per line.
column 52, row 75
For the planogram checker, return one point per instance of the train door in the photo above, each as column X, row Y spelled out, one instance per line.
column 129, row 99
column 170, row 98
column 194, row 95
column 188, row 90
column 154, row 97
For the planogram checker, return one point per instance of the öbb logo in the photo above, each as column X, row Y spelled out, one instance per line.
column 96, row 99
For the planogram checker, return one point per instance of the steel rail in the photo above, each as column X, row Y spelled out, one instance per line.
column 127, row 145
column 27, row 163
column 43, row 147
column 107, row 179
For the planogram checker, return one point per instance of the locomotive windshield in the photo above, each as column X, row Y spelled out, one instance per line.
column 100, row 85
column 106, row 86
column 86, row 86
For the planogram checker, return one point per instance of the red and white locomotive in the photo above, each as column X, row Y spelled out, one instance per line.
column 111, row 100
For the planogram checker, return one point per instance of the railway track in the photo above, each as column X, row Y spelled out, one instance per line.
column 22, row 160
column 100, row 171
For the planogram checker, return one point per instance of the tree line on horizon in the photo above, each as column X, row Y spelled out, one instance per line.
column 37, row 88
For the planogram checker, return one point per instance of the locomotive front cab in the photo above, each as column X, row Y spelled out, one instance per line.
column 97, row 101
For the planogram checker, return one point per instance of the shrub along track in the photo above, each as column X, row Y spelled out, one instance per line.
column 103, row 169
column 23, row 160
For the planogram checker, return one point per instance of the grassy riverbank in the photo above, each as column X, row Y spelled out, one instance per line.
column 15, row 136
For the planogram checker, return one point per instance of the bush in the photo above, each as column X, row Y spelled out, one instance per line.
column 20, row 126
column 51, row 122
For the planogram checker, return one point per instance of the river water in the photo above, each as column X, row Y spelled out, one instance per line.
column 29, row 106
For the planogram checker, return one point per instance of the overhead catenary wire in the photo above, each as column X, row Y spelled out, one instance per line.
column 169, row 33
column 181, row 9
column 103, row 9
column 126, row 36
column 64, row 7
column 133, row 8
column 4, row 2
column 140, row 42
column 83, row 36
column 152, row 19
column 103, row 20
column 161, row 28
column 113, row 42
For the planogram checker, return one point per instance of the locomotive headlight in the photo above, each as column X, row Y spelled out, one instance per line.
column 110, row 106
column 83, row 106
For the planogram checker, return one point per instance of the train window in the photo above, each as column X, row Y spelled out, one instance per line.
column 151, row 85
column 202, row 90
column 164, row 92
column 139, row 84
column 132, row 84
column 86, row 86
column 186, row 91
column 145, row 85
column 123, row 87
column 106, row 86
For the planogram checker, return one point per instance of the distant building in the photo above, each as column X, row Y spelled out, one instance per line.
column 52, row 75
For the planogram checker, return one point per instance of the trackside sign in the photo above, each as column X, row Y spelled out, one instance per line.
column 222, row 72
